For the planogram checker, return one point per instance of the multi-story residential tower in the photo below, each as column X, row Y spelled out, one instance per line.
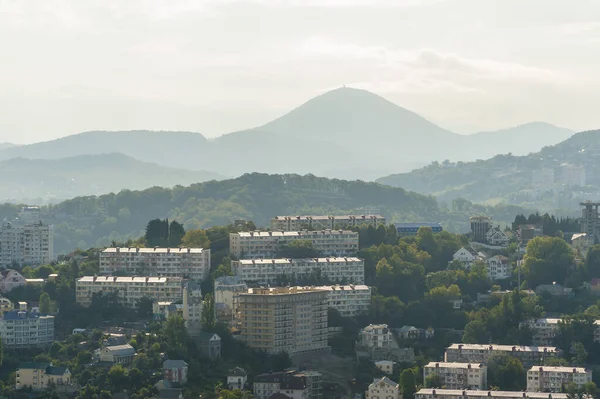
column 192, row 263
column 554, row 379
column 428, row 393
column 266, row 244
column 129, row 290
column 268, row 271
column 297, row 223
column 284, row 319
column 477, row 353
column 227, row 291
column 458, row 375
column 349, row 300
column 26, row 245
column 23, row 329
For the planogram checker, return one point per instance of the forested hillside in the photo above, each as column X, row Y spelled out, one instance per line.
column 97, row 220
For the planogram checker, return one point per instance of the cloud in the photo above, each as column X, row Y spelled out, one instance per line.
column 579, row 28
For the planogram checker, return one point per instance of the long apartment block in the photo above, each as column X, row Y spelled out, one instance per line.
column 478, row 353
column 266, row 244
column 428, row 393
column 129, row 290
column 265, row 271
column 553, row 379
column 458, row 375
column 284, row 319
column 545, row 329
column 349, row 300
column 296, row 223
column 192, row 263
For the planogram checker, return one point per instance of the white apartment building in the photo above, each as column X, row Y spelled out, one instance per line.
column 129, row 290
column 296, row 223
column 23, row 329
column 479, row 353
column 383, row 388
column 265, row 271
column 349, row 300
column 265, row 244
column 26, row 245
column 284, row 319
column 428, row 393
column 376, row 336
column 192, row 263
column 458, row 375
column 553, row 379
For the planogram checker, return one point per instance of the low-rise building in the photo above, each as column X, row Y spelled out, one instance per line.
column 496, row 237
column 458, row 375
column 498, row 267
column 428, row 393
column 543, row 329
column 11, row 279
column 268, row 271
column 129, row 290
column 479, row 353
column 553, row 289
column 412, row 332
column 29, row 244
column 39, row 376
column 267, row 244
column 5, row 305
column 297, row 223
column 23, row 329
column 383, row 388
column 555, row 379
column 192, row 308
column 175, row 372
column 227, row 290
column 349, row 300
column 291, row 383
column 386, row 366
column 376, row 336
column 210, row 345
column 119, row 354
column 191, row 263
column 237, row 378
column 411, row 229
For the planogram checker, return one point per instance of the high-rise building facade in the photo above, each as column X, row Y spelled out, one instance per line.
column 266, row 244
column 435, row 393
column 480, row 225
column 26, row 245
column 268, row 271
column 297, row 223
column 23, row 329
column 284, row 319
column 192, row 263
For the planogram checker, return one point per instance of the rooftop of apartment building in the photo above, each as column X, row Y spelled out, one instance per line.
column 347, row 288
column 23, row 314
column 456, row 365
column 515, row 348
column 128, row 280
column 492, row 394
column 558, row 369
column 327, row 217
column 283, row 261
column 282, row 290
column 153, row 250
column 293, row 233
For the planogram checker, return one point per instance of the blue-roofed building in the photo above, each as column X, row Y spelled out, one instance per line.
column 410, row 229
column 23, row 329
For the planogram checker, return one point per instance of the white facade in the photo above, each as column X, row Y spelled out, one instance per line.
column 553, row 379
column 22, row 329
column 479, row 353
column 296, row 223
column 498, row 267
column 237, row 378
column 349, row 300
column 265, row 271
column 192, row 263
column 129, row 290
column 227, row 290
column 265, row 244
column 376, row 336
column 428, row 393
column 383, row 388
column 458, row 375
column 26, row 245
column 496, row 237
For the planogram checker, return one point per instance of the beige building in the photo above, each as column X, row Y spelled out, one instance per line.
column 296, row 223
column 478, row 353
column 129, row 290
column 23, row 329
column 265, row 244
column 39, row 376
column 26, row 245
column 265, row 271
column 553, row 379
column 458, row 375
column 383, row 388
column 349, row 300
column 428, row 393
column 192, row 263
column 284, row 319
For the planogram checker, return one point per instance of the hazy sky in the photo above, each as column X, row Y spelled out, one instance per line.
column 215, row 66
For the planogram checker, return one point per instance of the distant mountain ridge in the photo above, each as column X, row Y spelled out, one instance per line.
column 87, row 175
column 346, row 133
column 511, row 178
